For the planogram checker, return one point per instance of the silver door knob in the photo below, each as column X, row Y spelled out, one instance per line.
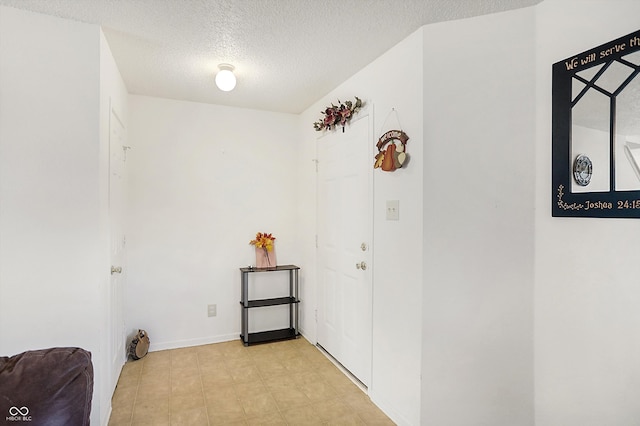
column 362, row 265
column 116, row 270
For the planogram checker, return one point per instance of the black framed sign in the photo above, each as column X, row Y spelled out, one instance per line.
column 596, row 132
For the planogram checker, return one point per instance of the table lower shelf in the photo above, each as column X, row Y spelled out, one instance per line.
column 270, row 336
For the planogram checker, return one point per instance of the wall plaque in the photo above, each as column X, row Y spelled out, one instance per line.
column 596, row 132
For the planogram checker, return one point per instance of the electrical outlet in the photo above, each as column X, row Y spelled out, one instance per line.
column 212, row 310
column 393, row 210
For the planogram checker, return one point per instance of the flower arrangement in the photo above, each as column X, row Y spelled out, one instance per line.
column 265, row 242
column 335, row 115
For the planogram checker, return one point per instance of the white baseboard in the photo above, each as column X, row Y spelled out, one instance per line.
column 176, row 344
column 105, row 420
column 388, row 409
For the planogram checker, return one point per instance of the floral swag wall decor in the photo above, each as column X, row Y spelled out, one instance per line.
column 340, row 114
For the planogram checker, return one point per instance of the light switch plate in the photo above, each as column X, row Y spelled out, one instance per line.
column 393, row 210
column 212, row 310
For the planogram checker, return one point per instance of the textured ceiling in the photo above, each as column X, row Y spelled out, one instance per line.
column 287, row 53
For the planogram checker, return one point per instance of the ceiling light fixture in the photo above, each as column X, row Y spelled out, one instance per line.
column 225, row 79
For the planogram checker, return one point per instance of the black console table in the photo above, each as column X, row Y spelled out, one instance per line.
column 292, row 300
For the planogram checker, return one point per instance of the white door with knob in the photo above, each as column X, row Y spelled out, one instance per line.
column 117, row 176
column 345, row 171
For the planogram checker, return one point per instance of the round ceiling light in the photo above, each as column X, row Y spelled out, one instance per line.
column 225, row 79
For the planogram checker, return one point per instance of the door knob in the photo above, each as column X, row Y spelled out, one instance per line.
column 116, row 270
column 362, row 265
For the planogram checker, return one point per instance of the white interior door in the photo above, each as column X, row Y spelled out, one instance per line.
column 117, row 176
column 345, row 165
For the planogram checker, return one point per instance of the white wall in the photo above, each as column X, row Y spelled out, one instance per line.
column 51, row 252
column 587, row 320
column 392, row 81
column 479, row 96
column 203, row 179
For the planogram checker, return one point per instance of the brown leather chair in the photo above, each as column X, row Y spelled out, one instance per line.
column 47, row 387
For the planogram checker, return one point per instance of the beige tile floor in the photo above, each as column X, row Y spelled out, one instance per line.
column 280, row 383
